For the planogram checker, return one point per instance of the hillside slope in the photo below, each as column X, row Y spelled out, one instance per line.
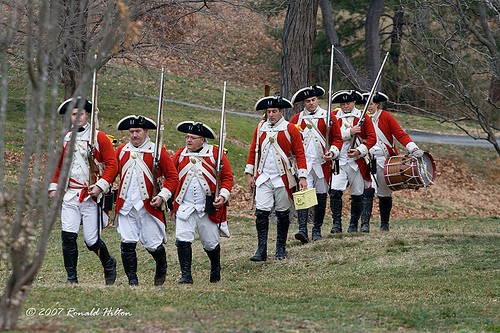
column 230, row 43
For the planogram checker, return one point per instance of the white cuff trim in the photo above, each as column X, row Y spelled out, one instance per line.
column 165, row 194
column 335, row 151
column 104, row 185
column 249, row 169
column 362, row 149
column 225, row 194
column 302, row 173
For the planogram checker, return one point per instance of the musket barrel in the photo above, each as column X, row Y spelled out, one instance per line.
column 93, row 169
column 222, row 138
column 159, row 120
column 329, row 113
column 94, row 104
column 369, row 100
column 157, row 184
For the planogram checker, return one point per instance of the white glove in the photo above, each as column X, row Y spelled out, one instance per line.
column 413, row 150
column 417, row 152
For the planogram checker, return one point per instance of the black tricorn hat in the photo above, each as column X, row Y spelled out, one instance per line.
column 271, row 102
column 378, row 97
column 346, row 96
column 307, row 92
column 87, row 106
column 134, row 121
column 196, row 128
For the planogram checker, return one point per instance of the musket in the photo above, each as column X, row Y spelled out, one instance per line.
column 222, row 139
column 267, row 92
column 335, row 164
column 368, row 102
column 157, row 180
column 329, row 114
column 93, row 168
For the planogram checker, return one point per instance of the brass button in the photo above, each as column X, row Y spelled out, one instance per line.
column 309, row 126
column 193, row 160
column 271, row 139
column 134, row 155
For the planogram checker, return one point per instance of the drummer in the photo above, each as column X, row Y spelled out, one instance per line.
column 387, row 128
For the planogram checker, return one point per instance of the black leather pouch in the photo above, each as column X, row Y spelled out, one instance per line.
column 209, row 204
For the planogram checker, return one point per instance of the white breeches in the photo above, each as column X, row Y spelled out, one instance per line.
column 139, row 225
column 207, row 230
column 267, row 196
column 313, row 181
column 351, row 177
column 74, row 213
column 381, row 188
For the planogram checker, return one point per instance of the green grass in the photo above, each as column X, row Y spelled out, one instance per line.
column 426, row 275
column 423, row 276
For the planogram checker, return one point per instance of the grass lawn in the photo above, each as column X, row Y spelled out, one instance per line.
column 424, row 276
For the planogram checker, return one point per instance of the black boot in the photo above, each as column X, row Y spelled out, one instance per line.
column 336, row 208
column 107, row 261
column 367, row 209
column 70, row 255
column 262, row 225
column 160, row 258
column 282, row 233
column 129, row 260
column 319, row 216
column 185, row 254
column 385, row 206
column 356, row 209
column 301, row 235
column 214, row 257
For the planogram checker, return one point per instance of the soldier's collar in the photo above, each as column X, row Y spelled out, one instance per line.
column 146, row 141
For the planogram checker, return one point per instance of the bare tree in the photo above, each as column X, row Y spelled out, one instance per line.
column 455, row 67
column 27, row 215
column 299, row 33
column 9, row 21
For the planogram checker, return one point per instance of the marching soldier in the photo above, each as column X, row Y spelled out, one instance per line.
column 195, row 206
column 387, row 128
column 79, row 205
column 270, row 168
column 354, row 170
column 311, row 121
column 139, row 212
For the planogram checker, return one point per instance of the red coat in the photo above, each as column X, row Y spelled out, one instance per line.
column 167, row 170
column 209, row 163
column 335, row 137
column 391, row 129
column 290, row 142
column 369, row 138
column 103, row 153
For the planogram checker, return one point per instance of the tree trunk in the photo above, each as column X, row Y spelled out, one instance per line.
column 341, row 59
column 299, row 34
column 392, row 85
column 372, row 40
column 12, row 302
column 75, row 49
